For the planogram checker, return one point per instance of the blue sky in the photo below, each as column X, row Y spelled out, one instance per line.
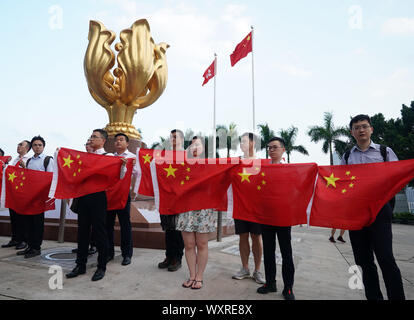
column 348, row 57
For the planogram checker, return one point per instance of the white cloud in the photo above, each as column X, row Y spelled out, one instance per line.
column 398, row 27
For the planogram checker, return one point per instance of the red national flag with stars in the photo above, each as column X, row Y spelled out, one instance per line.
column 272, row 194
column 349, row 197
column 78, row 173
column 242, row 49
column 117, row 195
column 209, row 73
column 26, row 191
column 143, row 185
column 187, row 185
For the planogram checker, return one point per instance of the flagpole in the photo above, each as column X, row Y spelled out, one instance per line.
column 214, row 112
column 254, row 113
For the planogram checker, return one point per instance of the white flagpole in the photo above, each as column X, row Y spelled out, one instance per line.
column 254, row 113
column 214, row 112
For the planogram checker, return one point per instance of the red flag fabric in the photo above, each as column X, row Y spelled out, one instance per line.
column 117, row 195
column 5, row 159
column 143, row 185
column 190, row 184
column 209, row 73
column 78, row 173
column 273, row 194
column 26, row 191
column 349, row 197
column 242, row 49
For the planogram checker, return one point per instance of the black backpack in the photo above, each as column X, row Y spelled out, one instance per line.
column 383, row 150
column 45, row 162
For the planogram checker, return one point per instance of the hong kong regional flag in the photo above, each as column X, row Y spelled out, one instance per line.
column 26, row 191
column 209, row 73
column 79, row 173
column 186, row 185
column 242, row 49
column 349, row 197
column 272, row 194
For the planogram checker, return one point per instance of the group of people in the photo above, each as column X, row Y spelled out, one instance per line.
column 188, row 232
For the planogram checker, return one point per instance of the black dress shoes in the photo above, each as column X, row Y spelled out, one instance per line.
column 76, row 271
column 32, row 253
column 126, row 261
column 21, row 245
column 23, row 252
column 164, row 264
column 174, row 265
column 10, row 244
column 99, row 274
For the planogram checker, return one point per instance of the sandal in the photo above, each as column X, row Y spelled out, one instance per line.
column 195, row 281
column 186, row 285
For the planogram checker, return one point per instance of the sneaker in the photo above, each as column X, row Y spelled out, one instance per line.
column 258, row 277
column 288, row 293
column 267, row 288
column 341, row 239
column 331, row 239
column 241, row 274
column 175, row 265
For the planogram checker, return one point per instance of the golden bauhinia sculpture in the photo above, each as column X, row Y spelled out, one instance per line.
column 137, row 82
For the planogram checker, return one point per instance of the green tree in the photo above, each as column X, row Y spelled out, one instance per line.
column 289, row 136
column 266, row 134
column 328, row 134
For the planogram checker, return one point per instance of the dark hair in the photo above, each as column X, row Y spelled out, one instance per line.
column 103, row 133
column 358, row 118
column 252, row 137
column 123, row 135
column 179, row 132
column 282, row 142
column 203, row 155
column 38, row 138
column 28, row 144
column 1, row 152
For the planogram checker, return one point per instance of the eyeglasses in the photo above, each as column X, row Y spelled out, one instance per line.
column 270, row 148
column 95, row 137
column 364, row 127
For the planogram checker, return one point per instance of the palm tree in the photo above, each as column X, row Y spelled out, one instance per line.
column 327, row 133
column 266, row 134
column 289, row 136
column 227, row 137
column 162, row 144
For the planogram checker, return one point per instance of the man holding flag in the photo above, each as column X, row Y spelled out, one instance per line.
column 376, row 238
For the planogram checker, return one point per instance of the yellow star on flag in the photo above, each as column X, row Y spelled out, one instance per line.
column 12, row 177
column 348, row 173
column 351, row 185
column 244, row 175
column 343, row 190
column 170, row 171
column 331, row 180
column 68, row 161
column 147, row 158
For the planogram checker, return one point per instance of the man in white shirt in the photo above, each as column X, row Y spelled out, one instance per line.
column 121, row 146
column 19, row 238
column 92, row 213
column 34, row 224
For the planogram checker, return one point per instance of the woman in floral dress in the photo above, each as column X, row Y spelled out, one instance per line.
column 195, row 226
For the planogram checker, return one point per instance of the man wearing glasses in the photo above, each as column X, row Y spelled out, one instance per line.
column 92, row 213
column 276, row 148
column 376, row 238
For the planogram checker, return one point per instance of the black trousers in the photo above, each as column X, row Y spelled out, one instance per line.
column 377, row 238
column 126, row 230
column 18, row 230
column 174, row 244
column 269, row 252
column 92, row 213
column 34, row 227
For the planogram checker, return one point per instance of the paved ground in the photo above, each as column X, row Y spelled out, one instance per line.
column 322, row 272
